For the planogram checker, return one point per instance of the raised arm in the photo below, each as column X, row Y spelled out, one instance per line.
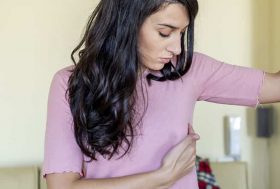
column 270, row 90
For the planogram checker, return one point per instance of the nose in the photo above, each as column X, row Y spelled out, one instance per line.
column 175, row 46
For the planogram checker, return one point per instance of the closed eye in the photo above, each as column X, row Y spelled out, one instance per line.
column 163, row 35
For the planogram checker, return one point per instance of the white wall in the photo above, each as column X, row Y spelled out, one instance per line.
column 233, row 31
column 36, row 40
column 221, row 34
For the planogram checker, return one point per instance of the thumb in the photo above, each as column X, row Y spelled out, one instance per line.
column 192, row 132
column 190, row 129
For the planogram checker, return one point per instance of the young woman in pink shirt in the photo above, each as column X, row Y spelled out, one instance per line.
column 120, row 118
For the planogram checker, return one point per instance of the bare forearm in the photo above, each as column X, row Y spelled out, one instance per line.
column 270, row 91
column 150, row 180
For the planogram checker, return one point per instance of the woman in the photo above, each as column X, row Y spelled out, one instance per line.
column 120, row 118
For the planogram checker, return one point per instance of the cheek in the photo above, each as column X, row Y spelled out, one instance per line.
column 155, row 49
column 155, row 42
column 151, row 42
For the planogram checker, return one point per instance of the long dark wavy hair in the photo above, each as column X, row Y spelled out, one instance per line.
column 102, row 84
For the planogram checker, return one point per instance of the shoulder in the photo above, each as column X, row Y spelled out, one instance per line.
column 203, row 62
column 59, row 83
column 62, row 75
column 203, row 66
column 199, row 57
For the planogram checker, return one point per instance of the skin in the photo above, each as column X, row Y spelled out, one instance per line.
column 160, row 36
column 270, row 90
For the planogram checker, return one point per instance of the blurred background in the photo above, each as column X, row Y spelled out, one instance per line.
column 37, row 37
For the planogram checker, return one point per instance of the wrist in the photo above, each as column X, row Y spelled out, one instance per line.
column 164, row 176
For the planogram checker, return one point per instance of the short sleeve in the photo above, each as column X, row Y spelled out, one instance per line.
column 61, row 152
column 224, row 83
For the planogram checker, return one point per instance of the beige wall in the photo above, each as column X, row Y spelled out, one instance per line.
column 36, row 40
column 38, row 36
column 227, row 31
column 274, row 142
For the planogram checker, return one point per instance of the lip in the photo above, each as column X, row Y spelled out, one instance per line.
column 165, row 60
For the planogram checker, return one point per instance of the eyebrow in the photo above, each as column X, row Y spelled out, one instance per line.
column 172, row 27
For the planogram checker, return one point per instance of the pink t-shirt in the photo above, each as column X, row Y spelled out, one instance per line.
column 170, row 109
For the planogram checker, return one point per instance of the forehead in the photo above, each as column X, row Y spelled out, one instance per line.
column 175, row 14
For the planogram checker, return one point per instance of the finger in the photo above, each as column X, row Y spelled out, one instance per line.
column 190, row 129
column 191, row 139
column 192, row 133
column 195, row 136
column 190, row 152
column 186, row 142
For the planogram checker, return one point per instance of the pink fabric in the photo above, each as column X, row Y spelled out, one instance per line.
column 170, row 109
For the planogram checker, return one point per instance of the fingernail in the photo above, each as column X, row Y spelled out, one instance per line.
column 196, row 136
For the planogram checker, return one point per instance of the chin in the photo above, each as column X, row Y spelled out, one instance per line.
column 161, row 65
column 157, row 68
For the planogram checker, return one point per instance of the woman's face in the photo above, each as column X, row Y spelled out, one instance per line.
column 160, row 36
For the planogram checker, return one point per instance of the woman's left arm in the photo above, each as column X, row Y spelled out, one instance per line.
column 270, row 90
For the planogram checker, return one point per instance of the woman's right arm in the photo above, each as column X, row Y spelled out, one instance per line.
column 178, row 162
column 150, row 180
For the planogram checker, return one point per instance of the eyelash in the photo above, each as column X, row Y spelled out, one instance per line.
column 163, row 35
